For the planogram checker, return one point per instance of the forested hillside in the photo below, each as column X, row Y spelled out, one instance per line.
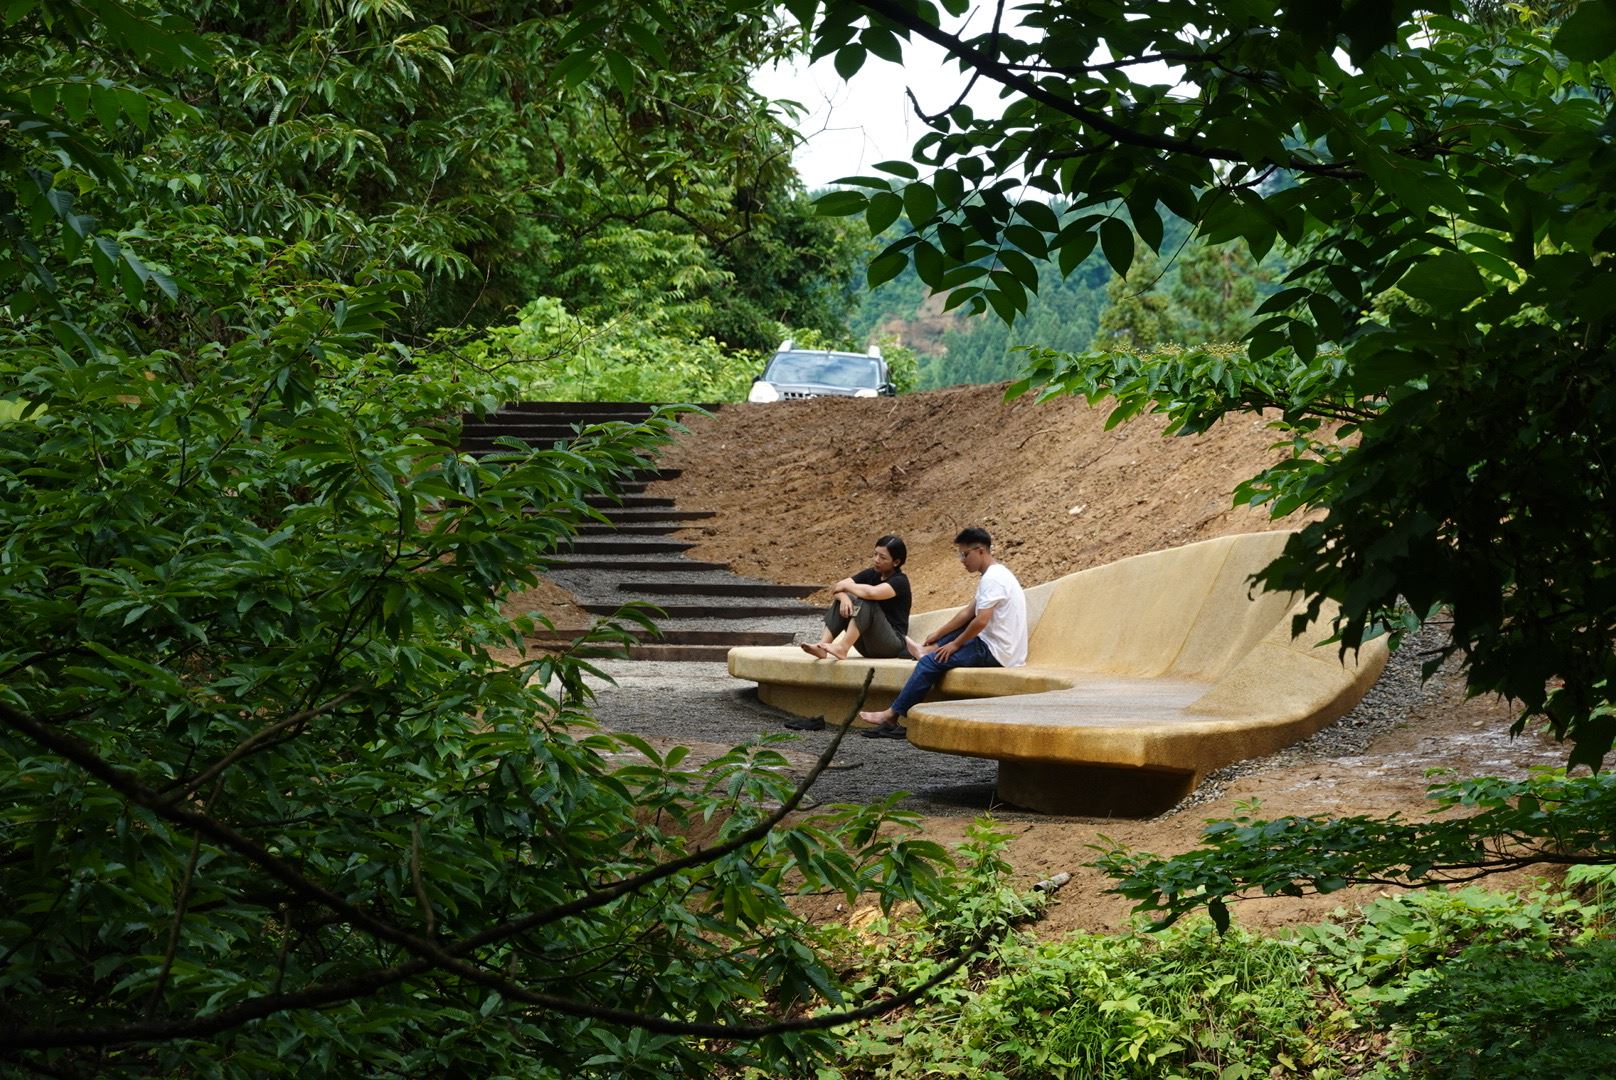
column 1192, row 293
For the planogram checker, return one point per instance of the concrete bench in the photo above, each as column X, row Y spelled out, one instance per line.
column 1142, row 676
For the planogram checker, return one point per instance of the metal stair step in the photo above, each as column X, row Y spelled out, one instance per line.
column 725, row 638
column 606, row 562
column 715, row 588
column 589, row 545
column 633, row 516
column 709, row 611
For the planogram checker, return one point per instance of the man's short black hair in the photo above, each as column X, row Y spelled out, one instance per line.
column 974, row 537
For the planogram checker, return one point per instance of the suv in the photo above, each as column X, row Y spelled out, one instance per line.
column 807, row 373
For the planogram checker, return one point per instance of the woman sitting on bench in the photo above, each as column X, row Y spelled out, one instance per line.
column 870, row 609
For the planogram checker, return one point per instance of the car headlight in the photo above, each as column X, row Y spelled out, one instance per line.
column 866, row 392
column 762, row 392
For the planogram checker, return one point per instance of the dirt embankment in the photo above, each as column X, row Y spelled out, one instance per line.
column 803, row 488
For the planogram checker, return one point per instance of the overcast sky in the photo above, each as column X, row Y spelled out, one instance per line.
column 853, row 124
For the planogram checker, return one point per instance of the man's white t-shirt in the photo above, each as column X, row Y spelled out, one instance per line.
column 1006, row 633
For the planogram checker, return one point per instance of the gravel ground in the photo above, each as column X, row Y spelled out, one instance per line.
column 699, row 703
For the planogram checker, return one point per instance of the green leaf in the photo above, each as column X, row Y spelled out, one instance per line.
column 1450, row 280
column 135, row 107
column 1146, row 221
column 1038, row 215
column 1020, row 267
column 1304, row 340
column 882, row 43
column 841, row 203
column 1004, row 305
column 75, row 100
column 1589, row 32
column 16, row 9
column 1075, row 250
column 886, row 266
column 849, row 59
column 104, row 101
column 919, row 203
column 647, row 41
column 884, row 208
column 1283, row 300
column 166, row 284
column 1116, row 240
column 622, row 71
column 929, row 265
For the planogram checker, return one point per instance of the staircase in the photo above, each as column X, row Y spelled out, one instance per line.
column 638, row 555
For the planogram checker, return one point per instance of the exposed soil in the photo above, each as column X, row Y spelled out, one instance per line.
column 802, row 489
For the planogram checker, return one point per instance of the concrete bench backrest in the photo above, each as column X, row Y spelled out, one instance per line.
column 922, row 623
column 1183, row 612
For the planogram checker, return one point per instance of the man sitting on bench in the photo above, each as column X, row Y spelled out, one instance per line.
column 991, row 631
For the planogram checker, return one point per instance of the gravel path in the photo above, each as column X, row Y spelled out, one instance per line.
column 699, row 703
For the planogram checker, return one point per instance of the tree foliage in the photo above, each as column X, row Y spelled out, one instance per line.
column 275, row 783
column 1544, row 820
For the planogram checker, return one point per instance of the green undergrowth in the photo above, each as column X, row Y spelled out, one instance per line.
column 1468, row 983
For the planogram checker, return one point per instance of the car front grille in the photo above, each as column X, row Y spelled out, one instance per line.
column 797, row 395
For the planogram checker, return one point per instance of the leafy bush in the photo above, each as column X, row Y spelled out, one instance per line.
column 1189, row 1003
column 264, row 783
column 1456, row 985
column 1478, row 984
column 1184, row 1004
column 277, row 784
column 553, row 355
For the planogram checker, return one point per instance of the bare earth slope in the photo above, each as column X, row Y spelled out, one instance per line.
column 802, row 489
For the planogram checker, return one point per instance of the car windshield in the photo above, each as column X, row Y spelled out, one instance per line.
column 824, row 369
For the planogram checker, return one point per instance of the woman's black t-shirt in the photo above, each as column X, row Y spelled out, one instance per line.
column 896, row 607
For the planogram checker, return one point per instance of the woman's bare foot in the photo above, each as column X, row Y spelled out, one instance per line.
column 814, row 649
column 833, row 652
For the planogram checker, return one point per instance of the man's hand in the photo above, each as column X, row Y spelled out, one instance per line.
column 945, row 651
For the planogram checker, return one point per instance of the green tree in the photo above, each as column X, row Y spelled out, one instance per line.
column 1138, row 313
column 268, row 793
column 1214, row 292
column 1442, row 175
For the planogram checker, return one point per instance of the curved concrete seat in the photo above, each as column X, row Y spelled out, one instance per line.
column 1143, row 675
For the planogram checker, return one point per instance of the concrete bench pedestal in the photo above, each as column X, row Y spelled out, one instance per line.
column 1052, row 787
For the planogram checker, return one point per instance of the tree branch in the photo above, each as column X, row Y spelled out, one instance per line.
column 251, row 743
column 1004, row 74
column 427, row 955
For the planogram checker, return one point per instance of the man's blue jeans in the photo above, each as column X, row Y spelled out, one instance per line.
column 973, row 653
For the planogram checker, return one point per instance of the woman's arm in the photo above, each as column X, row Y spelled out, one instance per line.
column 879, row 591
